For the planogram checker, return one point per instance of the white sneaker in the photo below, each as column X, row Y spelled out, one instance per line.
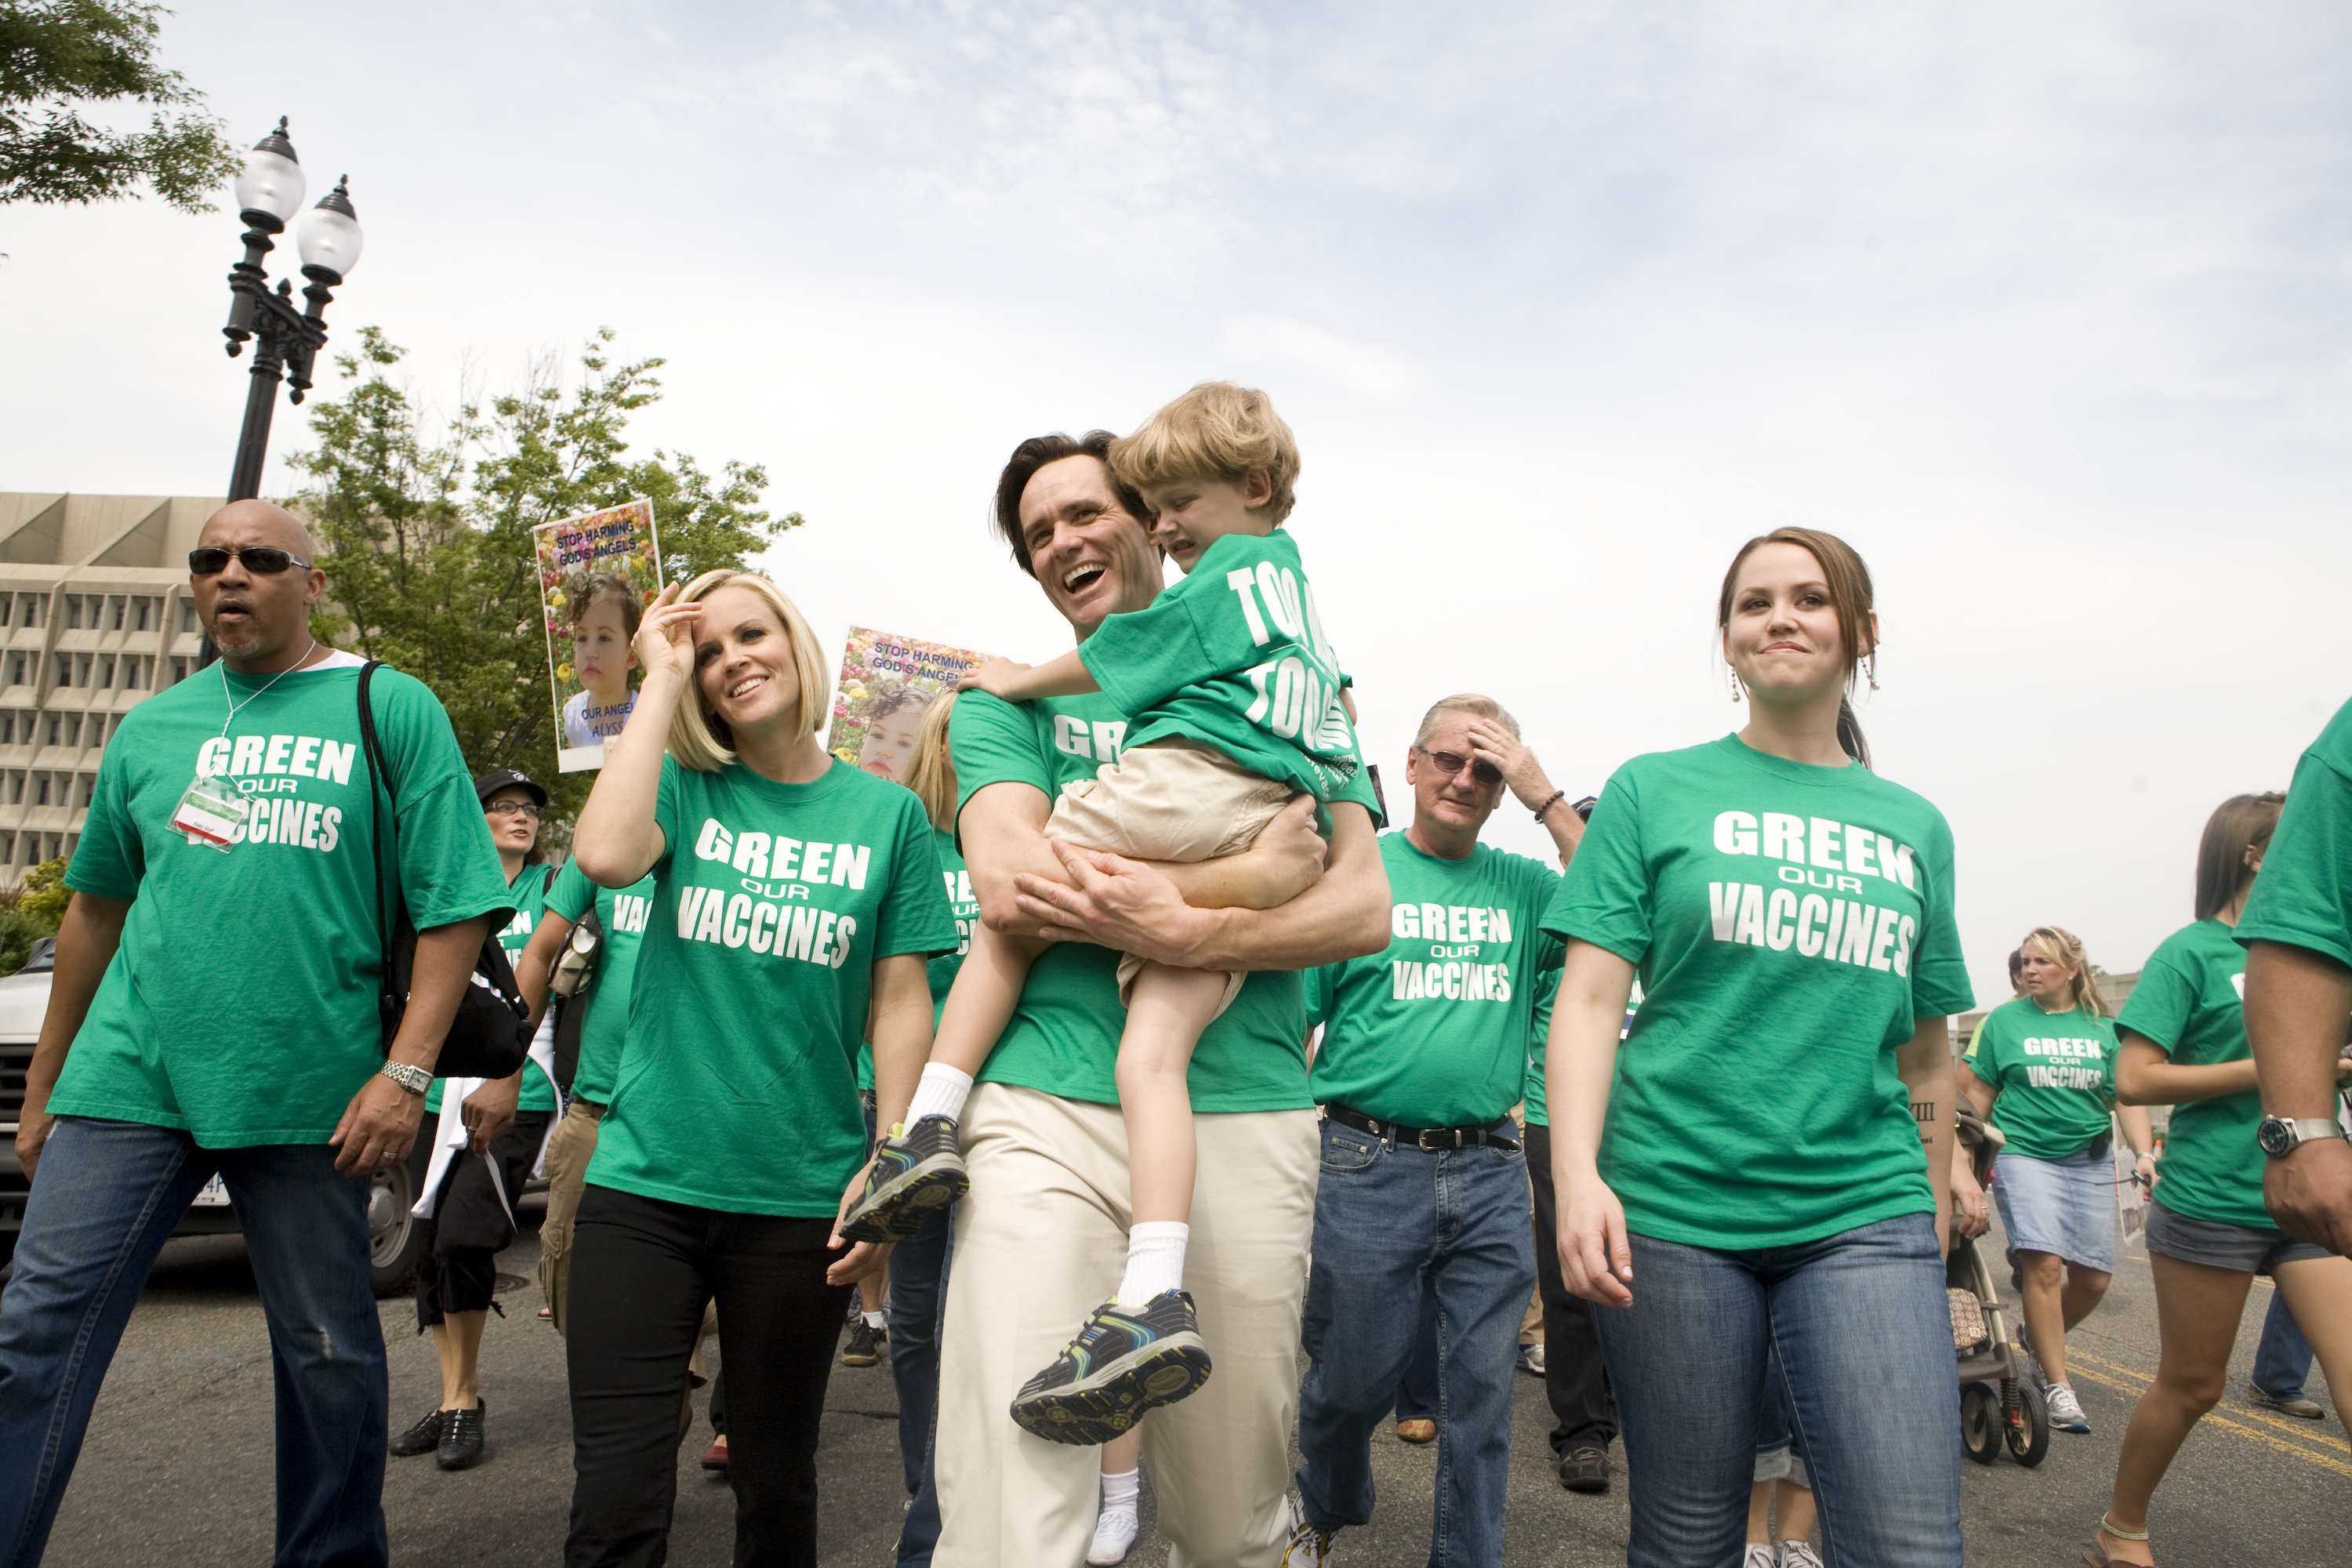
column 1758, row 1556
column 1531, row 1359
column 1796, row 1554
column 2066, row 1410
column 1308, row 1546
column 1115, row 1533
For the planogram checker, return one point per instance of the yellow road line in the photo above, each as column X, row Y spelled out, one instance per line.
column 2139, row 1381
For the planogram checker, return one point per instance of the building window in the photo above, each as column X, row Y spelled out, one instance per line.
column 17, row 669
column 57, row 846
column 73, row 612
column 179, row 670
column 65, row 670
column 8, row 737
column 81, row 670
column 55, row 724
column 143, row 605
column 117, row 603
column 187, row 615
column 7, row 606
column 131, row 677
column 73, row 729
column 41, row 790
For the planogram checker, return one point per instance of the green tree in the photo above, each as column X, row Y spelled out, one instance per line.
column 57, row 57
column 33, row 908
column 428, row 537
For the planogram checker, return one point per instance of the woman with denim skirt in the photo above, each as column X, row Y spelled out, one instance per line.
column 1746, row 1178
column 2041, row 1068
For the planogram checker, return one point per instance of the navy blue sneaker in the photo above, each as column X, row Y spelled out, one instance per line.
column 1125, row 1361
column 910, row 1176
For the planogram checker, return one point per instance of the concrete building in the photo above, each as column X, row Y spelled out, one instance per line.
column 94, row 618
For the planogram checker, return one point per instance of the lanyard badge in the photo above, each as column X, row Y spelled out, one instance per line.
column 212, row 813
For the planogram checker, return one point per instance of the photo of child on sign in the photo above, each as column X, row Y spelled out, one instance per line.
column 887, row 683
column 597, row 574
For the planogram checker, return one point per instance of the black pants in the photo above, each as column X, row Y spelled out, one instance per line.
column 642, row 1271
column 456, row 1274
column 1583, row 1413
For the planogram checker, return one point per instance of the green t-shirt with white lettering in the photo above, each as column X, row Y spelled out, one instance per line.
column 2303, row 897
column 2189, row 1003
column 1432, row 1031
column 241, row 1007
column 2053, row 1076
column 957, row 880
column 1234, row 656
column 1064, row 1036
column 528, row 890
column 1790, row 924
column 773, row 903
column 623, row 913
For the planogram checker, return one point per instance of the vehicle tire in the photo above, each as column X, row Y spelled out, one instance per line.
column 1980, row 1423
column 395, row 1239
column 2029, row 1439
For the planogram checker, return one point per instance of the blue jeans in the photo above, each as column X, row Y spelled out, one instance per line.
column 1864, row 1339
column 108, row 1196
column 2283, row 1360
column 918, row 1293
column 1388, row 1217
column 1417, row 1394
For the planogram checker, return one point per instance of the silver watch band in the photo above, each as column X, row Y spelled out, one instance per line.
column 415, row 1079
column 2307, row 1128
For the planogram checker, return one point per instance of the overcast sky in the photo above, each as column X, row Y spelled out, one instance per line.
column 2045, row 307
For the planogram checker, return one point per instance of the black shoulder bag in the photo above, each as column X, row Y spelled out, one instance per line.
column 572, row 1009
column 490, row 1036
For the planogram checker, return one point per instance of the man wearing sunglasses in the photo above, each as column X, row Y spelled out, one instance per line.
column 214, row 1012
column 1424, row 1173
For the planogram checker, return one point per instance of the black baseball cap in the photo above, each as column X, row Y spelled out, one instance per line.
column 489, row 784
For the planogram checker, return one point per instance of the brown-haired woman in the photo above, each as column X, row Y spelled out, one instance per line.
column 2041, row 1068
column 2184, row 1044
column 1790, row 913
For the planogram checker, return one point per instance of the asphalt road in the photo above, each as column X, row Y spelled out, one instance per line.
column 178, row 1465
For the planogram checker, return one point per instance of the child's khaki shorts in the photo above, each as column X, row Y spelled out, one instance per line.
column 1173, row 800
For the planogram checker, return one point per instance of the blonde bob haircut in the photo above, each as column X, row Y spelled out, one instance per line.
column 2063, row 947
column 1216, row 431
column 700, row 740
column 929, row 772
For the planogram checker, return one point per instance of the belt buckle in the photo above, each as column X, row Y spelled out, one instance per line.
column 1453, row 1139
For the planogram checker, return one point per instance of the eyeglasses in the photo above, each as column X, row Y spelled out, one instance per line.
column 508, row 807
column 1486, row 773
column 265, row 558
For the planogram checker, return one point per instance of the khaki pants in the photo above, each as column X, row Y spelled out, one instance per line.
column 1040, row 1241
column 568, row 1149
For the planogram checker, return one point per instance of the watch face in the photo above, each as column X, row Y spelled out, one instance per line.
column 2275, row 1135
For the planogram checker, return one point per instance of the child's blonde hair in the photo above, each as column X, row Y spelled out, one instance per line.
column 931, row 772
column 1216, row 431
column 702, row 740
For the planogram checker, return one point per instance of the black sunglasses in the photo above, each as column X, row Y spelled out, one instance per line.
column 1486, row 773
column 265, row 558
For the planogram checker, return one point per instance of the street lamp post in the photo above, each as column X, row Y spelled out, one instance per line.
column 286, row 341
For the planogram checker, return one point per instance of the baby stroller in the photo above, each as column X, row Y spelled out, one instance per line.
column 2000, row 1401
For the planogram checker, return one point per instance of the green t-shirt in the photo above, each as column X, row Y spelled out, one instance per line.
column 623, row 913
column 241, row 1004
column 2303, row 897
column 1538, row 1111
column 1791, row 924
column 1064, row 1036
column 2189, row 1003
column 738, row 1088
column 942, row 969
column 1234, row 656
column 529, row 892
column 2054, row 1075
column 1432, row 1031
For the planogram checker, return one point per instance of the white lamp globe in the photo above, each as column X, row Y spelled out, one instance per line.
column 330, row 237
column 271, row 181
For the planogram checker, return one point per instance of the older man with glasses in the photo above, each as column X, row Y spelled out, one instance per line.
column 1424, row 1178
column 215, row 1014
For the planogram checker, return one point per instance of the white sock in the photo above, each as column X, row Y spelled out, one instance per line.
column 1155, row 1260
column 873, row 1320
column 1120, row 1489
column 942, row 1092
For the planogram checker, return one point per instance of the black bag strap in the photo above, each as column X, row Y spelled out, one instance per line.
column 378, row 773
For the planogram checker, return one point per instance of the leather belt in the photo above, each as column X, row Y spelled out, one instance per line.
column 1428, row 1138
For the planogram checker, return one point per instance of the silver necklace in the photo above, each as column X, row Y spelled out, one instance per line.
column 235, row 708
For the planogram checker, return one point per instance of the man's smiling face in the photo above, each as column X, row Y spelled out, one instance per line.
column 1092, row 557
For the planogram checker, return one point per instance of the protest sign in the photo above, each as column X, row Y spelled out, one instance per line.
column 597, row 572
column 887, row 683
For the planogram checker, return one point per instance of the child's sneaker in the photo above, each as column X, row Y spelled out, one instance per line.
column 910, row 1176
column 1125, row 1361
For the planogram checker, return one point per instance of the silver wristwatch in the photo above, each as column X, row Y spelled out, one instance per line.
column 415, row 1080
column 2279, row 1136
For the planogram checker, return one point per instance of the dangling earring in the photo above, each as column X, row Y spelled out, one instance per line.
column 1870, row 668
column 1738, row 692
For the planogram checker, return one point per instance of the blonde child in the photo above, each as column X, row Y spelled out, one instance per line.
column 1235, row 707
column 604, row 611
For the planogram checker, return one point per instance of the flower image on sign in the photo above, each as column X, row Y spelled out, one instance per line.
column 597, row 572
column 887, row 683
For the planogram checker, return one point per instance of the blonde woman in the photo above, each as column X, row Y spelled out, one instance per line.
column 793, row 896
column 2043, row 1069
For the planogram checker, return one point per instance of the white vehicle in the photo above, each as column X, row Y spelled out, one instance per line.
column 392, row 1236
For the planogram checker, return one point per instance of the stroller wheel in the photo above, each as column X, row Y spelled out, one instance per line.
column 2028, row 1430
column 1980, row 1423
